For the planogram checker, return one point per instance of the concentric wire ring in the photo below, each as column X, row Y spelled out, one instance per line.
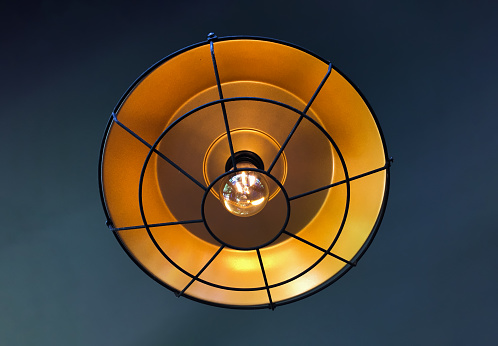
column 227, row 100
column 213, row 234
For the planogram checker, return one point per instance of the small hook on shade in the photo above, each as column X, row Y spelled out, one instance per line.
column 211, row 36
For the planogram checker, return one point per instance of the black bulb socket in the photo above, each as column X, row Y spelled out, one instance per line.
column 245, row 156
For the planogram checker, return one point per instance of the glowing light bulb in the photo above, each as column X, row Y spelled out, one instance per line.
column 244, row 193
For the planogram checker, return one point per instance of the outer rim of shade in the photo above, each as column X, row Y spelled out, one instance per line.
column 303, row 295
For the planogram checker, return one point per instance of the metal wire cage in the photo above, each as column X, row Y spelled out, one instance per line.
column 165, row 151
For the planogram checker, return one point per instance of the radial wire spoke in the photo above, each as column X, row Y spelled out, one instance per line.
column 318, row 89
column 339, row 182
column 285, row 144
column 161, row 155
column 157, row 225
column 200, row 271
column 212, row 37
column 319, row 248
column 300, row 119
column 272, row 306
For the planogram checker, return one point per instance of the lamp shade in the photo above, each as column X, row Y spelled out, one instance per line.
column 202, row 122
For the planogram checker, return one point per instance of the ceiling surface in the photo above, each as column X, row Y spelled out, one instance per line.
column 428, row 69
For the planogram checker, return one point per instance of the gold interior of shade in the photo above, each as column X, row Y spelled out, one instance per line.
column 258, row 141
column 247, row 68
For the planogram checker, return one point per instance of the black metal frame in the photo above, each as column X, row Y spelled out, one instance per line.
column 222, row 101
column 206, row 191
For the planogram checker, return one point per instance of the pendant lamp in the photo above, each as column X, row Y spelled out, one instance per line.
column 244, row 172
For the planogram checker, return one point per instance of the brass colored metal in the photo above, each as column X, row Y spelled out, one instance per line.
column 198, row 144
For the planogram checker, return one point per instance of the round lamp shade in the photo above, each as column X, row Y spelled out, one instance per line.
column 244, row 172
